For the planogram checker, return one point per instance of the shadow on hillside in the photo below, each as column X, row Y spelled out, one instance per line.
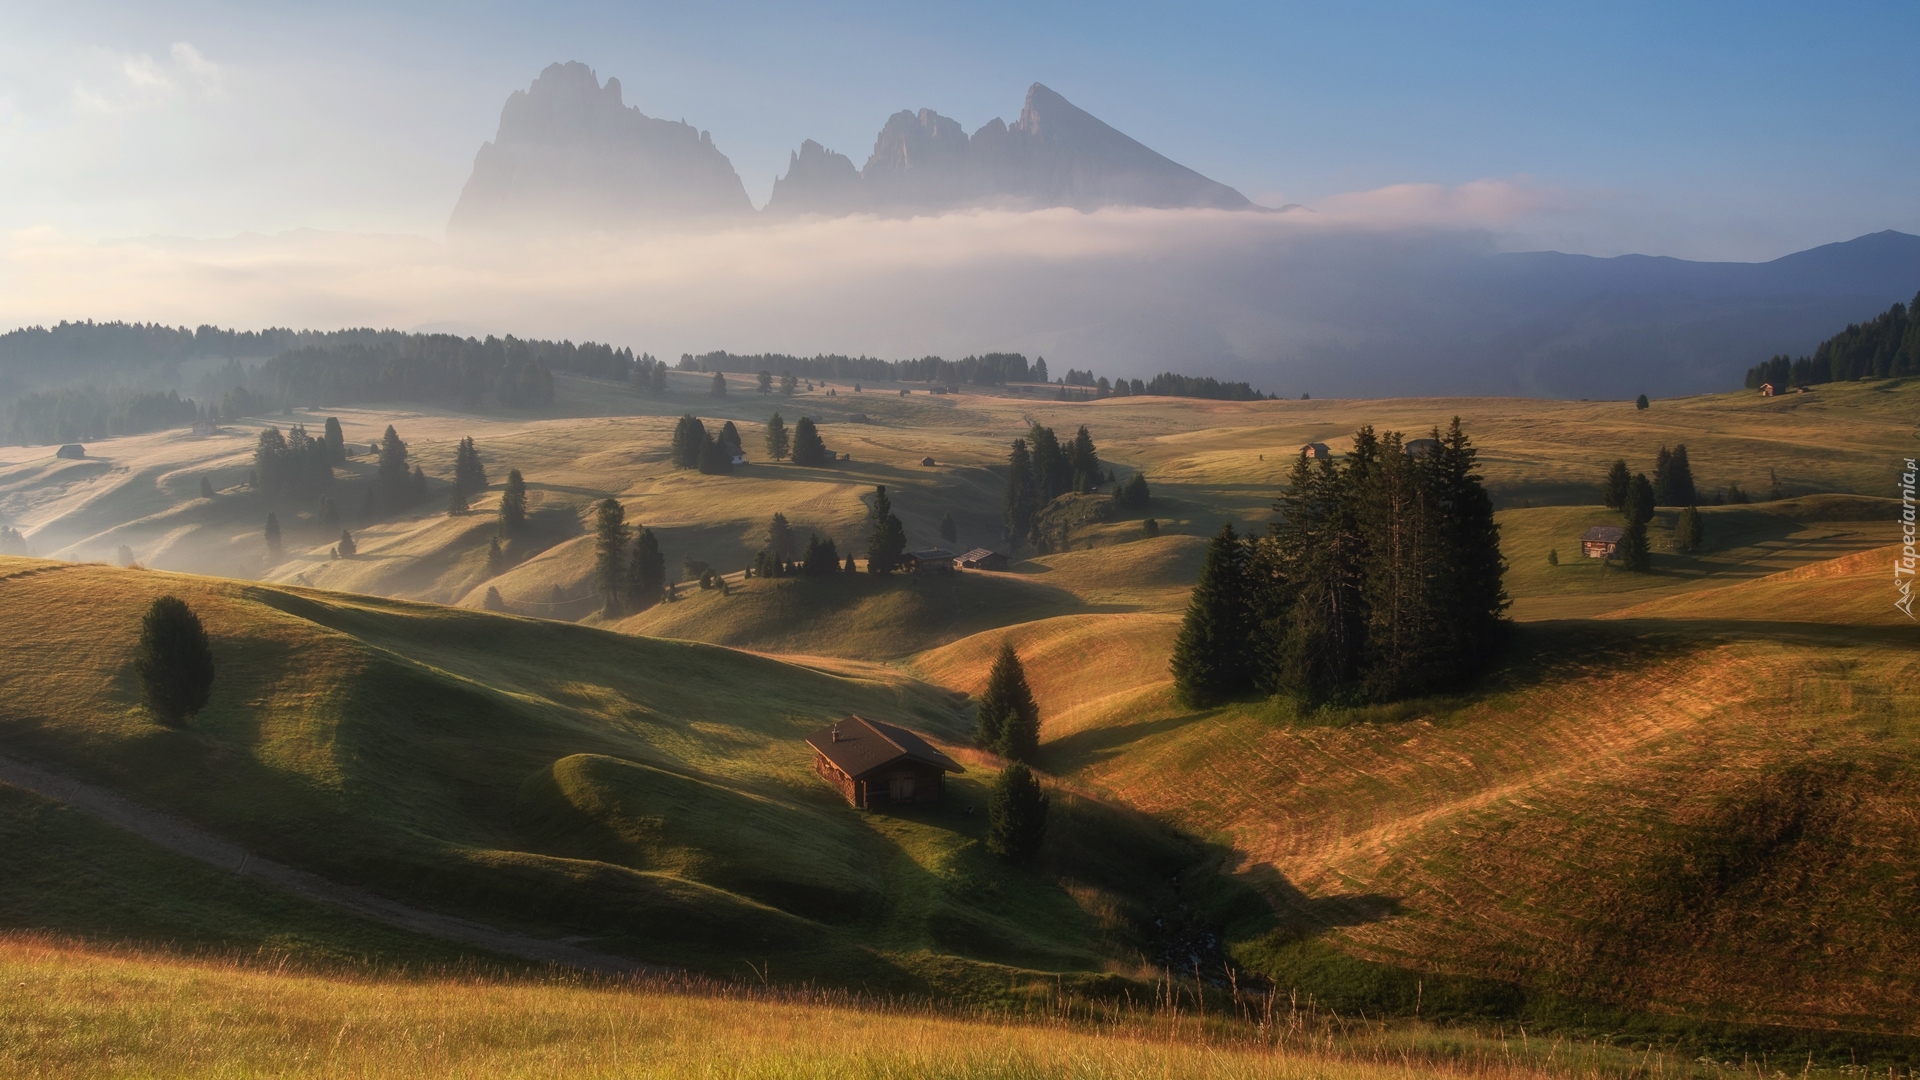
column 1300, row 916
column 1813, row 634
column 1083, row 749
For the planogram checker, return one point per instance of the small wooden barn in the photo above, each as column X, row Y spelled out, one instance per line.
column 1600, row 541
column 1766, row 389
column 929, row 561
column 72, row 450
column 1316, row 451
column 927, row 461
column 982, row 559
column 874, row 764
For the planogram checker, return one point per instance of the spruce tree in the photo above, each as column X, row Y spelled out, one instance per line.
column 730, row 438
column 1690, row 531
column 347, row 548
column 807, row 447
column 513, row 506
column 273, row 536
column 1640, row 500
column 822, row 558
column 393, row 472
column 496, row 556
column 719, row 386
column 175, row 663
column 1633, row 551
column 886, row 537
column 1313, row 615
column 689, row 441
column 780, row 539
column 1471, row 568
column 779, row 444
column 789, row 384
column 1403, row 581
column 1009, row 718
column 1662, row 478
column 1211, row 658
column 716, row 458
column 1022, row 499
column 456, row 501
column 1052, row 472
column 764, row 382
column 1680, row 486
column 335, row 441
column 206, row 488
column 948, row 530
column 1084, row 462
column 1150, row 528
column 469, row 473
column 1618, row 484
column 647, row 573
column 1640, row 402
column 609, row 550
column 850, row 567
column 1016, row 815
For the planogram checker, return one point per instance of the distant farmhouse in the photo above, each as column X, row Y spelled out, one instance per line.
column 929, row 561
column 72, row 450
column 1766, row 389
column 1600, row 541
column 874, row 764
column 1316, row 451
column 982, row 559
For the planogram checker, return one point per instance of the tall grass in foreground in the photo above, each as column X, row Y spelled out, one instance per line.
column 72, row 1010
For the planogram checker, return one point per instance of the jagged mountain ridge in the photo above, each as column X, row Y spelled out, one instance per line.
column 570, row 154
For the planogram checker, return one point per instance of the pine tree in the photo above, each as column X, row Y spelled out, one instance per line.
column 496, row 556
column 1641, row 402
column 780, row 539
column 1052, row 473
column 1663, row 478
column 807, row 447
column 469, row 473
column 1150, row 527
column 1132, row 495
column 1618, row 485
column 779, row 444
column 716, row 458
column 609, row 550
column 1633, row 551
column 1471, row 568
column 392, row 470
column 347, row 548
column 822, row 558
column 513, row 506
column 1083, row 462
column 1313, row 613
column 788, row 384
column 719, row 387
column 175, row 662
column 850, row 567
column 765, row 381
column 456, row 501
column 273, row 537
column 336, row 441
column 730, row 438
column 1211, row 659
column 206, row 488
column 1690, row 531
column 1022, row 500
column 689, row 441
column 1680, row 486
column 1553, row 556
column 1009, row 719
column 1640, row 500
column 948, row 530
column 1016, row 815
column 886, row 537
column 1403, row 580
column 647, row 573
column 493, row 601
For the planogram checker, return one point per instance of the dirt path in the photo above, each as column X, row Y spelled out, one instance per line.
column 190, row 840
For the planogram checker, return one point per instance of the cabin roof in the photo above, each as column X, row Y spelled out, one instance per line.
column 930, row 554
column 866, row 745
column 1606, row 534
column 977, row 554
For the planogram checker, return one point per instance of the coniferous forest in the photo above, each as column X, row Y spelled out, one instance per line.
column 1380, row 578
column 1888, row 346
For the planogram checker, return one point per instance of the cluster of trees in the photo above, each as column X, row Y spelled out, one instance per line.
column 12, row 542
column 1379, row 578
column 1040, row 470
column 469, row 476
column 295, row 465
column 1132, row 494
column 1008, row 724
column 1883, row 348
column 694, row 448
column 991, row 369
column 802, row 443
column 438, row 368
column 75, row 414
column 629, row 576
column 1167, row 384
column 1636, row 497
column 782, row 556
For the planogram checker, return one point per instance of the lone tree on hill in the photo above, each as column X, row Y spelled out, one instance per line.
column 948, row 530
column 1618, row 485
column 1009, row 719
column 347, row 548
column 335, row 440
column 647, row 572
column 788, row 384
column 730, row 438
column 609, row 546
column 850, row 568
column 1016, row 815
column 779, row 443
column 1211, row 657
column 807, row 447
column 689, row 440
column 886, row 537
column 175, row 664
column 513, row 505
column 1640, row 402
column 1633, row 551
column 719, row 388
column 273, row 536
column 1690, row 532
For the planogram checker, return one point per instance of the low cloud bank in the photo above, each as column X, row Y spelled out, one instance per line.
column 1393, row 292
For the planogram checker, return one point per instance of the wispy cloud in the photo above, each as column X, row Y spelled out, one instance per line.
column 129, row 82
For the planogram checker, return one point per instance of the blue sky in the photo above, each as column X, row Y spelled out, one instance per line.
column 1701, row 130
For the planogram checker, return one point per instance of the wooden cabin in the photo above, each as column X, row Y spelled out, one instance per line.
column 1316, row 451
column 73, row 451
column 929, row 561
column 1766, row 389
column 872, row 764
column 982, row 559
column 1600, row 541
column 927, row 461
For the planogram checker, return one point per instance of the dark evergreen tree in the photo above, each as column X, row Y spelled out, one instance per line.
column 789, row 384
column 660, row 377
column 1312, row 608
column 765, row 381
column 273, row 537
column 469, row 473
column 730, row 438
column 1212, row 660
column 1023, row 499
column 206, row 488
column 394, row 474
column 689, row 441
column 1150, row 527
column 493, row 601
column 513, row 506
column 1009, row 718
column 1618, row 485
column 1680, row 486
column 807, row 447
column 1641, row 402
column 886, row 537
column 1633, row 551
column 496, row 556
column 417, row 486
column 822, row 557
column 948, row 530
column 1471, row 569
column 1083, row 462
column 336, row 441
column 647, row 573
column 850, row 567
column 1640, row 500
column 1016, row 815
column 456, row 501
column 719, row 385
column 1403, row 580
column 1690, row 531
column 175, row 662
column 779, row 443
column 1052, row 472
column 716, row 458
column 1133, row 494
column 1662, row 467
column 609, row 552
column 780, row 539
column 347, row 548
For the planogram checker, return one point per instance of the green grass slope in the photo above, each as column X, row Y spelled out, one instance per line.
column 648, row 797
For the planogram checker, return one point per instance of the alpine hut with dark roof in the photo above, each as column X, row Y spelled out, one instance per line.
column 874, row 764
column 1601, row 541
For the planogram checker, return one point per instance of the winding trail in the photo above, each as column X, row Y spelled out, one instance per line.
column 194, row 842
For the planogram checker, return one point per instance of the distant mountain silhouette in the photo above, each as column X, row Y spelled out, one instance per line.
column 1057, row 154
column 570, row 154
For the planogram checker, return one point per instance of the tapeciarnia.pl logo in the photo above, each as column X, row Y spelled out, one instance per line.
column 1904, row 563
